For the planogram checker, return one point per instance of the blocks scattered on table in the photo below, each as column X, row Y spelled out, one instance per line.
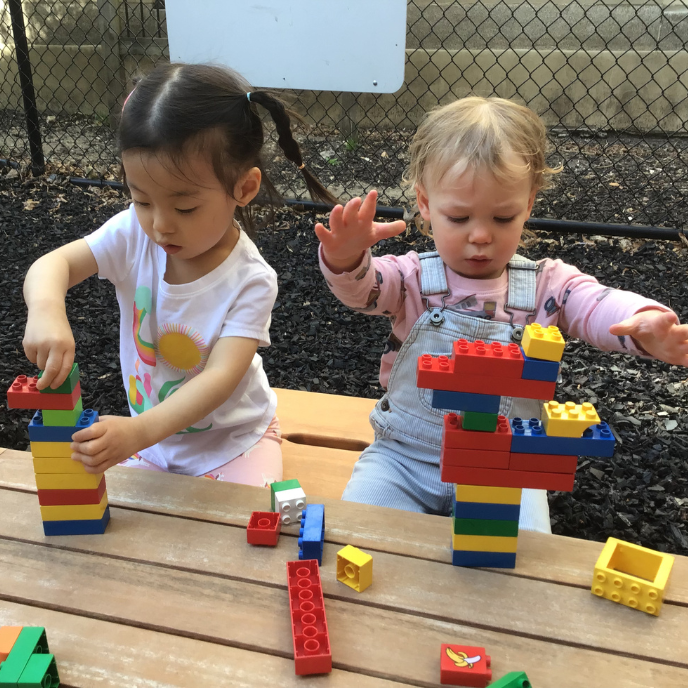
column 464, row 665
column 26, row 659
column 288, row 499
column 263, row 528
column 312, row 533
column 354, row 568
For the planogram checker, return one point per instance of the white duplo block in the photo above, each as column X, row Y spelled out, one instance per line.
column 289, row 504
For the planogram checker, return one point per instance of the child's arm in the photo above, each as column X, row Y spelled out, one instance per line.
column 114, row 438
column 48, row 339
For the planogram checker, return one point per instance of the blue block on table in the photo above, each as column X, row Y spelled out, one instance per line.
column 312, row 532
column 59, row 433
column 536, row 369
column 487, row 512
column 465, row 401
column 83, row 527
column 497, row 560
column 529, row 437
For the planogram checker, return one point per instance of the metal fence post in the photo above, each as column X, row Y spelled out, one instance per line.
column 108, row 21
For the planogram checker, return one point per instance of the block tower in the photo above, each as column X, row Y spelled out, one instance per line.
column 72, row 501
column 490, row 458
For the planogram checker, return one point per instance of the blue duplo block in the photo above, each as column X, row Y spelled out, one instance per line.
column 535, row 369
column 487, row 512
column 84, row 527
column 465, row 401
column 495, row 560
column 312, row 532
column 59, row 433
column 529, row 437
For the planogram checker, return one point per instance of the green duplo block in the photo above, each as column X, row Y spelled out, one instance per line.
column 31, row 641
column 486, row 422
column 40, row 672
column 68, row 385
column 514, row 679
column 281, row 487
column 479, row 526
column 69, row 418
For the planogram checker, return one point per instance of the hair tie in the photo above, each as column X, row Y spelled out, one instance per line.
column 301, row 166
column 127, row 98
column 248, row 96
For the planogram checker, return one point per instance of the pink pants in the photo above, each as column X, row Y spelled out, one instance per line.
column 259, row 466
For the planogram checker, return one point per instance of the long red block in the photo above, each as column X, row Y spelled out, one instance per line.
column 545, row 463
column 23, row 394
column 71, row 497
column 456, row 437
column 492, row 477
column 476, row 458
column 491, row 360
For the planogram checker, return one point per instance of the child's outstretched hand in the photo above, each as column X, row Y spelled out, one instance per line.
column 659, row 333
column 106, row 443
column 352, row 232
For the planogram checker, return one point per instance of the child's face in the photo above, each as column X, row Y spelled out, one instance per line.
column 476, row 220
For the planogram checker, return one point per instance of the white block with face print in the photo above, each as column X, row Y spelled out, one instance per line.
column 289, row 504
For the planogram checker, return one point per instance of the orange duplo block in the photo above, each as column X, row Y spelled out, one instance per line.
column 543, row 463
column 8, row 636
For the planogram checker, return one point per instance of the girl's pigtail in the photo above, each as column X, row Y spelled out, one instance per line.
column 289, row 145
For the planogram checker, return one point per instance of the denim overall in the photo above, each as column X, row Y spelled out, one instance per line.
column 400, row 469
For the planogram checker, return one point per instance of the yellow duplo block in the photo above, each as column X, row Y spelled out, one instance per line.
column 58, row 450
column 488, row 495
column 354, row 568
column 57, row 465
column 569, row 419
column 68, row 481
column 75, row 512
column 547, row 344
column 485, row 543
column 632, row 575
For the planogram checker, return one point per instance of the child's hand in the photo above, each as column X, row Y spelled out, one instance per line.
column 106, row 443
column 659, row 333
column 352, row 232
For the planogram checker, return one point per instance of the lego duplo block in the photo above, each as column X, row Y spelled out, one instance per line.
column 535, row 369
column 40, row 672
column 529, row 437
column 474, row 457
column 39, row 432
column 463, row 401
column 632, row 575
column 23, row 394
column 263, row 528
column 85, row 527
column 487, row 494
column 545, row 343
column 354, row 568
column 67, row 497
column 68, row 481
column 483, row 422
column 290, row 504
column 68, row 418
column 543, row 463
column 312, row 532
column 464, row 665
column 8, row 636
column 514, row 679
column 489, row 360
column 51, row 450
column 282, row 486
column 569, row 419
column 486, row 511
column 57, row 465
column 455, row 437
column 312, row 653
column 30, row 641
column 561, row 482
column 495, row 560
column 478, row 526
column 67, row 386
column 484, row 543
column 75, row 512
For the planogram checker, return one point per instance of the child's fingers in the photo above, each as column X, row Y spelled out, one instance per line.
column 385, row 230
column 322, row 232
column 368, row 207
column 88, row 435
column 351, row 211
column 50, row 362
column 336, row 222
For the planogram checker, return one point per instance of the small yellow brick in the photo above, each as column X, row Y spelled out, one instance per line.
column 57, row 465
column 75, row 512
column 569, row 419
column 68, row 481
column 488, row 495
column 59, row 450
column 545, row 344
column 485, row 543
column 354, row 568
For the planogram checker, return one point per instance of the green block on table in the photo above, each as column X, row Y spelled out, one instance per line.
column 281, row 487
column 514, row 679
column 479, row 526
column 485, row 422
column 32, row 640
column 64, row 418
column 68, row 385
column 40, row 672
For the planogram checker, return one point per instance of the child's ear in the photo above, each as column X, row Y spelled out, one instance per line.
column 247, row 187
column 531, row 200
column 423, row 202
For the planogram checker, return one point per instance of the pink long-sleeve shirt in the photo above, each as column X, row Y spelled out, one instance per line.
column 573, row 301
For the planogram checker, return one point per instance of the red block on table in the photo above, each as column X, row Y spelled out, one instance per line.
column 545, row 463
column 456, row 437
column 71, row 497
column 312, row 653
column 263, row 528
column 23, row 394
column 491, row 360
column 493, row 477
column 476, row 458
column 464, row 665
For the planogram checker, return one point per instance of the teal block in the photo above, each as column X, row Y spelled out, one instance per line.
column 40, row 672
column 68, row 385
column 32, row 640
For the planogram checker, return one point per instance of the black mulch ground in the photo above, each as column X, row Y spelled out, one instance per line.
column 641, row 495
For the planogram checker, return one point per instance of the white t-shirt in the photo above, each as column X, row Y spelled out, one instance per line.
column 168, row 330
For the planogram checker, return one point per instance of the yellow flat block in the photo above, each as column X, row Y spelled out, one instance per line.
column 547, row 344
column 569, row 419
column 488, row 495
column 485, row 543
column 58, row 465
column 76, row 512
column 354, row 568
column 69, row 481
column 59, row 450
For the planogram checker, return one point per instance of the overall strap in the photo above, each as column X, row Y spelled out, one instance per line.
column 433, row 279
column 522, row 286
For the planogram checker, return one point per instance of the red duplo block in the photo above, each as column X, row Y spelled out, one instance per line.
column 491, row 360
column 312, row 653
column 545, row 463
column 464, row 665
column 492, row 477
column 263, row 528
column 455, row 437
column 71, row 497
column 23, row 394
column 477, row 458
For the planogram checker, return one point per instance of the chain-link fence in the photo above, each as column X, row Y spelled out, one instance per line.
column 610, row 78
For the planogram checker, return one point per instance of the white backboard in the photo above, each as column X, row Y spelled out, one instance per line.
column 322, row 45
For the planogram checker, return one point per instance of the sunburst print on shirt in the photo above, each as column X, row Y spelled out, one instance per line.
column 181, row 348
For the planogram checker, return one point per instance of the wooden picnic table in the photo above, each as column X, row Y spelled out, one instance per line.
column 172, row 595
